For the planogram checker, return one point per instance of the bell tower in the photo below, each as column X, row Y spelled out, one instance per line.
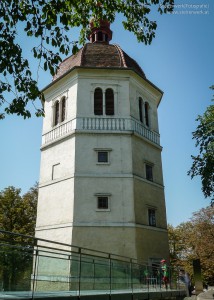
column 101, row 183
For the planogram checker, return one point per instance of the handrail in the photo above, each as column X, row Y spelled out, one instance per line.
column 44, row 265
column 82, row 249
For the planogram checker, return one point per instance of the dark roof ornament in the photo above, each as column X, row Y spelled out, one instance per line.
column 101, row 33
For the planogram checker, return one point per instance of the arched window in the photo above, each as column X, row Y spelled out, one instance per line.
column 56, row 116
column 147, row 114
column 109, row 102
column 100, row 36
column 140, row 103
column 98, row 101
column 63, row 107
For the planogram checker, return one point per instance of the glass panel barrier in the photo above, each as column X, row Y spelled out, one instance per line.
column 31, row 267
column 120, row 275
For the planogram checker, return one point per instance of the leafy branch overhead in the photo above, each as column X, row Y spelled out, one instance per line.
column 49, row 21
column 203, row 163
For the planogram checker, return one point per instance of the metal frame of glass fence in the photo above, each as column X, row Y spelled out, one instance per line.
column 33, row 266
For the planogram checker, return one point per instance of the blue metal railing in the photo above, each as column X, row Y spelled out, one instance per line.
column 33, row 266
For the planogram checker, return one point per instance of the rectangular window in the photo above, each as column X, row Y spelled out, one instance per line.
column 152, row 217
column 102, row 156
column 102, row 202
column 149, row 172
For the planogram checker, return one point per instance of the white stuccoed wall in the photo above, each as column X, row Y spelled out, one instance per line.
column 67, row 209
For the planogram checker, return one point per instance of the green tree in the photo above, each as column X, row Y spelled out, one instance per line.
column 49, row 22
column 29, row 211
column 203, row 163
column 10, row 200
column 203, row 222
column 17, row 214
column 194, row 240
column 176, row 246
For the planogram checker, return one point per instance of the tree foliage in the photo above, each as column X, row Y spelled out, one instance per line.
column 49, row 21
column 17, row 214
column 203, row 163
column 194, row 240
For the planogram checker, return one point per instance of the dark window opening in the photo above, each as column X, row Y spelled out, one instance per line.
column 63, row 109
column 109, row 102
column 149, row 172
column 147, row 114
column 102, row 156
column 98, row 101
column 100, row 36
column 152, row 217
column 93, row 38
column 102, row 202
column 140, row 109
column 56, row 117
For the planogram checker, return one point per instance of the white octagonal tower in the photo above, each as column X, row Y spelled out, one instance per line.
column 101, row 182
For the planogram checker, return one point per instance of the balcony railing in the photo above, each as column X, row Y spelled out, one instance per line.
column 100, row 124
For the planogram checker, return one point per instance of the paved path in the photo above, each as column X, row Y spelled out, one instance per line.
column 206, row 295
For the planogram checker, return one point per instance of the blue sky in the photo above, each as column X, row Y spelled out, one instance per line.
column 180, row 62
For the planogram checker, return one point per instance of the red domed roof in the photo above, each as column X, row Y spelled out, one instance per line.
column 99, row 55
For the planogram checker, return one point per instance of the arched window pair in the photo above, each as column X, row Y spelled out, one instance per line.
column 103, row 102
column 144, row 112
column 59, row 111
